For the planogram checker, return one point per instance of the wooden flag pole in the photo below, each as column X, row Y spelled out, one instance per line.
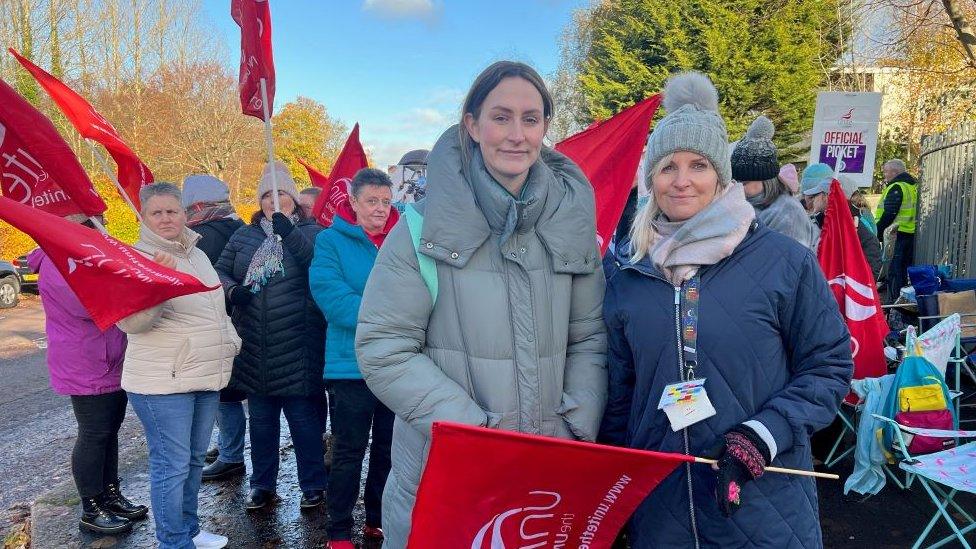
column 111, row 175
column 800, row 472
column 267, row 137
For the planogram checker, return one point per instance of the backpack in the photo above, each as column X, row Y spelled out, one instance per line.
column 919, row 397
column 428, row 268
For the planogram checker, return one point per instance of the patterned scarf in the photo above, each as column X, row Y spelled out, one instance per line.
column 268, row 260
column 680, row 248
column 202, row 212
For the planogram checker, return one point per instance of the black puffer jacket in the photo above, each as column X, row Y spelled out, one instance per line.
column 214, row 236
column 282, row 329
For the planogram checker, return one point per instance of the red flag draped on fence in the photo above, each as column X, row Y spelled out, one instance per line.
column 486, row 488
column 608, row 152
column 132, row 172
column 852, row 282
column 257, row 61
column 111, row 279
column 37, row 167
column 335, row 189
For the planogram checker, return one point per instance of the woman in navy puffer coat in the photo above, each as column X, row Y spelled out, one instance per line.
column 771, row 345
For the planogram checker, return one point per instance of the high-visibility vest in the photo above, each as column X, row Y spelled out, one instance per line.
column 905, row 220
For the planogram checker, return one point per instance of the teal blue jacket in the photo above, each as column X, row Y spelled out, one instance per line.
column 344, row 257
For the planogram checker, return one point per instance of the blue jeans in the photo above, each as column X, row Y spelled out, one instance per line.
column 231, row 425
column 304, row 423
column 178, row 429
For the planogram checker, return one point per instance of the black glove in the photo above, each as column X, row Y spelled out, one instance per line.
column 281, row 225
column 240, row 296
column 742, row 456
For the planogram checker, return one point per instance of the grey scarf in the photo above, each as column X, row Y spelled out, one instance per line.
column 268, row 260
column 681, row 248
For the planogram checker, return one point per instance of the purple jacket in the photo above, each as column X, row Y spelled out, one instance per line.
column 82, row 359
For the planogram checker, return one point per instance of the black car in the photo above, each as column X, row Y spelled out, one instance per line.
column 15, row 277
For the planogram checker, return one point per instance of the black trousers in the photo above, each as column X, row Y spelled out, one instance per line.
column 95, row 459
column 356, row 411
column 902, row 258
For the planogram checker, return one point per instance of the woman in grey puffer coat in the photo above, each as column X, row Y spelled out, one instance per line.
column 514, row 338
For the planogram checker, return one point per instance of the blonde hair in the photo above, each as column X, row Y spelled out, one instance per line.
column 642, row 232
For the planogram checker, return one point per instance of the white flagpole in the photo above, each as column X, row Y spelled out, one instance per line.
column 111, row 175
column 267, row 137
column 98, row 224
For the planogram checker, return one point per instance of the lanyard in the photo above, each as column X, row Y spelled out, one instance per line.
column 689, row 326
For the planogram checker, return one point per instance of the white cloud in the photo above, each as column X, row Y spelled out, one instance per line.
column 401, row 8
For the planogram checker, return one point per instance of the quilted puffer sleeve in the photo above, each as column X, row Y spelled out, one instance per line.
column 585, row 382
column 390, row 339
column 620, row 366
column 819, row 346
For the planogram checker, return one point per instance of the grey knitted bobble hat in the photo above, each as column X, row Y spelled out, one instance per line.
column 754, row 157
column 692, row 124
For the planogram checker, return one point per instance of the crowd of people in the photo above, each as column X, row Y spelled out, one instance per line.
column 489, row 305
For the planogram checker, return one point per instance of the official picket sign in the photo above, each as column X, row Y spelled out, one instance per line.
column 845, row 129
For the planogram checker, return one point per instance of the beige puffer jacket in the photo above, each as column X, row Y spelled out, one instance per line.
column 184, row 344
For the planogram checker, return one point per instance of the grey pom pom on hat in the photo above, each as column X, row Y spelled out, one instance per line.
column 693, row 124
column 754, row 157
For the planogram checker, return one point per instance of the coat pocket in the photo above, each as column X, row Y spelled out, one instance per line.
column 180, row 360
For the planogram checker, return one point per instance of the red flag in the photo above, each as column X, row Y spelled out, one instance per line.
column 132, row 172
column 485, row 488
column 318, row 178
column 257, row 61
column 37, row 167
column 111, row 279
column 852, row 282
column 335, row 190
column 609, row 152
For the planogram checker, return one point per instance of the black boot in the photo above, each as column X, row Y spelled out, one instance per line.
column 97, row 518
column 120, row 506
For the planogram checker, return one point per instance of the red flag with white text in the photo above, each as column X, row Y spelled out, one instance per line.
column 489, row 488
column 257, row 60
column 132, row 173
column 852, row 283
column 111, row 279
column 609, row 152
column 335, row 189
column 37, row 168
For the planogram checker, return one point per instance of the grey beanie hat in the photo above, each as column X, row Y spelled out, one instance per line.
column 283, row 178
column 692, row 124
column 754, row 157
column 204, row 188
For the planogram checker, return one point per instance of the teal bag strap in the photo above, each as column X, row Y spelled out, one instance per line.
column 428, row 269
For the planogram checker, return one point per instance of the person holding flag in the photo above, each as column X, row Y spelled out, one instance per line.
column 724, row 342
column 485, row 307
column 264, row 270
column 85, row 363
column 179, row 357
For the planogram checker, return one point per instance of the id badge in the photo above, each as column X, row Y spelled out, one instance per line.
column 686, row 403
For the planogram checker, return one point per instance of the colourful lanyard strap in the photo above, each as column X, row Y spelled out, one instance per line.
column 689, row 325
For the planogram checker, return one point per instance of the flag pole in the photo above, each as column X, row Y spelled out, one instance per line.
column 267, row 137
column 98, row 224
column 111, row 175
column 800, row 472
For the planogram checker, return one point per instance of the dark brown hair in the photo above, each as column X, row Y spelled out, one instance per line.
column 489, row 80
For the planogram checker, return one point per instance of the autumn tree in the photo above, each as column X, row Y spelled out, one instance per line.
column 304, row 130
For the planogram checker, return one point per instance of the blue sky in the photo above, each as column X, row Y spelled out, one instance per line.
column 400, row 67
